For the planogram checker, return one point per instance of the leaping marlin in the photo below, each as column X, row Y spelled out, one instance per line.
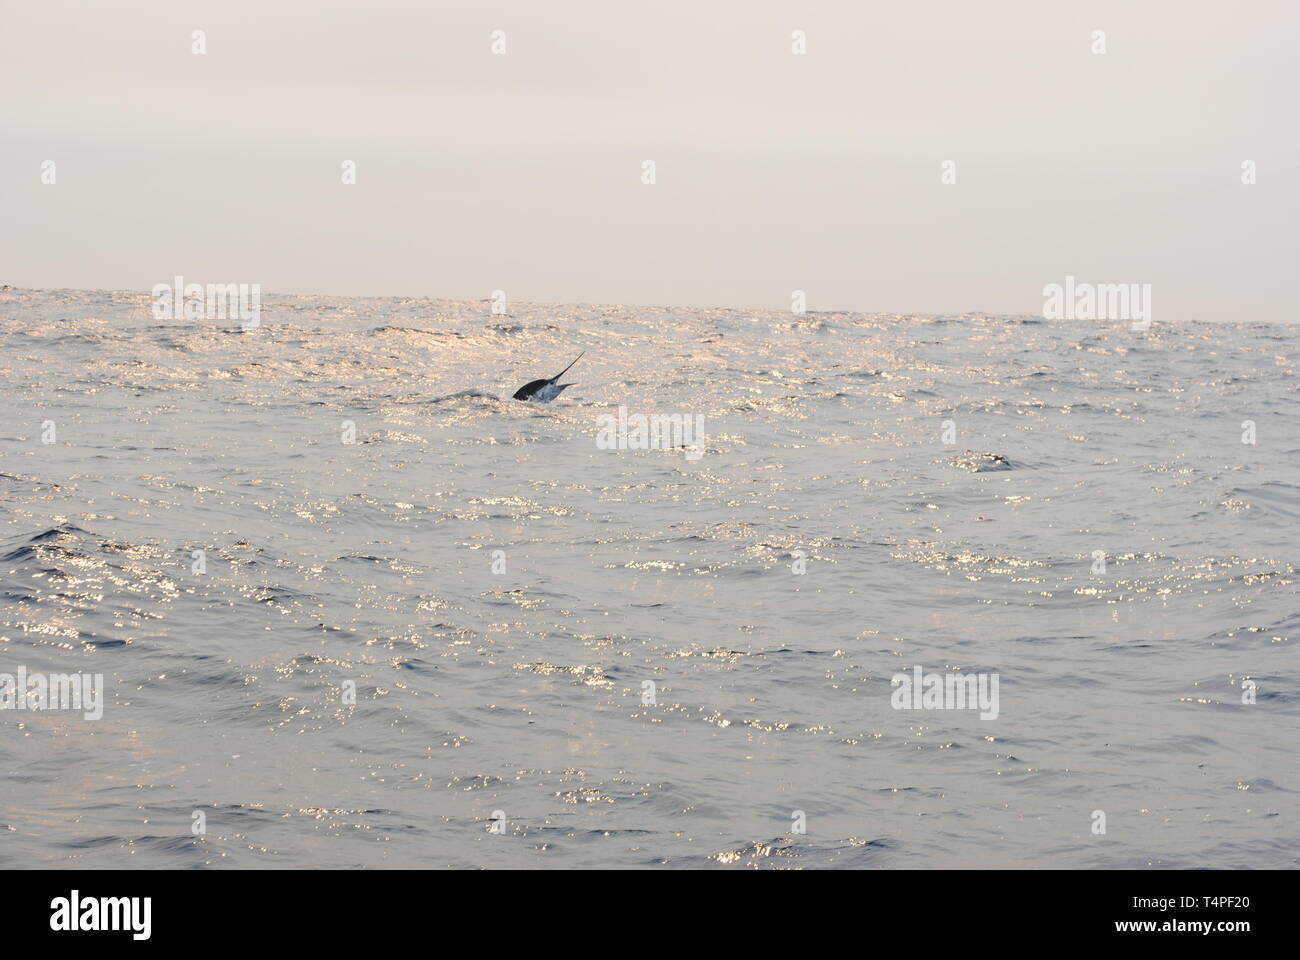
column 544, row 391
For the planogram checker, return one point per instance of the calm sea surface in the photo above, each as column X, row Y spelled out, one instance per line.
column 569, row 656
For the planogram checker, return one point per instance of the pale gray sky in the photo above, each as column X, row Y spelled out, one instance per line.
column 775, row 172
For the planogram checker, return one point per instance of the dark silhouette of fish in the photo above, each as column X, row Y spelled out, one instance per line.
column 544, row 391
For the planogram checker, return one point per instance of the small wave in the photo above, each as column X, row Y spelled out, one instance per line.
column 981, row 462
column 21, row 548
column 464, row 395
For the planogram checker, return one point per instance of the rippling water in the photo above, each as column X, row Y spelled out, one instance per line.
column 522, row 691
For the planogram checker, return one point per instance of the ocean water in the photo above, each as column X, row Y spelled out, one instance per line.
column 499, row 589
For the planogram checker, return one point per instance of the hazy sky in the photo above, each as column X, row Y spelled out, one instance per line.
column 775, row 172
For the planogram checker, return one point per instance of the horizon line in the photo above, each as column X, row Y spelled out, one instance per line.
column 8, row 287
